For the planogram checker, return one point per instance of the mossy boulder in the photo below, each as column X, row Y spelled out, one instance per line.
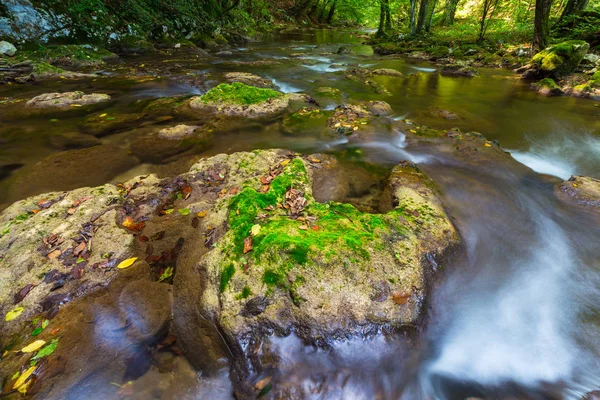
column 134, row 45
column 240, row 100
column 68, row 55
column 547, row 87
column 330, row 92
column 560, row 59
column 285, row 263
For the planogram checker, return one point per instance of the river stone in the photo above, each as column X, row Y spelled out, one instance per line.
column 73, row 140
column 388, row 72
column 147, row 306
column 249, row 79
column 378, row 108
column 7, row 49
column 159, row 147
column 61, row 100
column 442, row 113
column 459, row 70
column 268, row 107
column 582, row 191
column 327, row 91
column 547, row 87
column 321, row 290
column 66, row 170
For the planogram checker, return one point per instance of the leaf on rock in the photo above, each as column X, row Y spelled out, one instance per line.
column 24, row 376
column 33, row 346
column 46, row 351
column 127, row 263
column 20, row 295
column 166, row 274
column 14, row 313
column 184, row 211
column 130, row 224
column 255, row 229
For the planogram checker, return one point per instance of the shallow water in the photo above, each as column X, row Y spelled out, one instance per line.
column 516, row 318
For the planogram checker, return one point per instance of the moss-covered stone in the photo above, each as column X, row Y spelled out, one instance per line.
column 287, row 262
column 66, row 55
column 306, row 121
column 238, row 99
column 547, row 87
column 560, row 59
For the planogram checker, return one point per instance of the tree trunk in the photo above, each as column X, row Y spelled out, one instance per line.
column 423, row 16
column 413, row 16
column 388, row 16
column 381, row 27
column 541, row 24
column 573, row 7
column 331, row 12
column 450, row 12
column 430, row 19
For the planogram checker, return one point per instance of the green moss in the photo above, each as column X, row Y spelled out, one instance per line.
column 596, row 76
column 67, row 54
column 41, row 68
column 283, row 243
column 548, row 83
column 561, row 58
column 246, row 292
column 226, row 276
column 239, row 93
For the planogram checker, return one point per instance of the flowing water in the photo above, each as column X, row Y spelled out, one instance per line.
column 517, row 318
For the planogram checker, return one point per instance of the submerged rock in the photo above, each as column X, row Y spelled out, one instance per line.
column 459, row 70
column 331, row 92
column 388, row 72
column 160, row 146
column 68, row 99
column 249, row 79
column 442, row 113
column 63, row 170
column 73, row 140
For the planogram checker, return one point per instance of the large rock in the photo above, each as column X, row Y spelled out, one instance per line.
column 275, row 261
column 459, row 70
column 582, row 191
column 68, row 99
column 240, row 100
column 555, row 61
column 7, row 49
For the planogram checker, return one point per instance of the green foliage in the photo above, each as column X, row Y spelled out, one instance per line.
column 547, row 83
column 239, row 93
column 581, row 26
column 226, row 276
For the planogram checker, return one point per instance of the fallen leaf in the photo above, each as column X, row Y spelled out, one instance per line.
column 166, row 274
column 71, row 211
column 488, row 145
column 315, row 227
column 14, row 313
column 255, row 229
column 260, row 385
column 46, row 351
column 130, row 224
column 400, row 297
column 54, row 254
column 24, row 376
column 284, row 163
column 202, row 214
column 102, row 115
column 127, row 263
column 247, row 244
column 23, row 388
column 20, row 295
column 33, row 346
column 184, row 211
column 303, row 227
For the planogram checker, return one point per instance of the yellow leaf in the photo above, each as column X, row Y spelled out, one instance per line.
column 75, row 105
column 14, row 313
column 413, row 131
column 33, row 346
column 488, row 145
column 285, row 162
column 127, row 263
column 103, row 115
column 202, row 214
column 24, row 377
column 337, row 125
column 23, row 388
column 255, row 229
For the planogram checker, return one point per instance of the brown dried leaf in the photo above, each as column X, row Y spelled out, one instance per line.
column 54, row 254
column 248, row 244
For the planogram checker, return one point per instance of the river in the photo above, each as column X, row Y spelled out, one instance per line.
column 517, row 318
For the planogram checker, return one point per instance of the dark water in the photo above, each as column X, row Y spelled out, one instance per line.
column 518, row 318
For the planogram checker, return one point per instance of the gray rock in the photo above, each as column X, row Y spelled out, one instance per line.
column 7, row 49
column 63, row 100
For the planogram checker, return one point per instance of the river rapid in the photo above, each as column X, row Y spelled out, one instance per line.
column 516, row 318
